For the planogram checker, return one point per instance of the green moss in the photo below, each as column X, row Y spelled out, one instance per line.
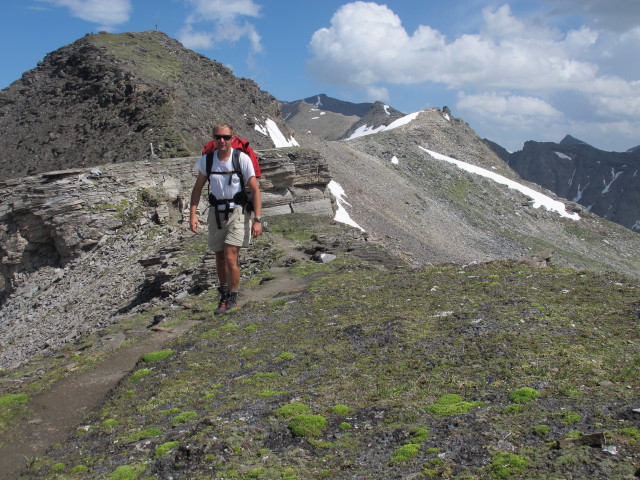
column 420, row 434
column 344, row 426
column 305, row 425
column 57, row 467
column 268, row 392
column 570, row 418
column 285, row 356
column 139, row 374
column 13, row 399
column 110, row 423
column 541, row 430
column 508, row 465
column 79, row 469
column 127, row 472
column 184, row 417
column 405, row 452
column 291, row 409
column 156, row 356
column 12, row 406
column 142, row 434
column 632, row 432
column 341, row 409
column 451, row 404
column 514, row 408
column 523, row 395
column 165, row 448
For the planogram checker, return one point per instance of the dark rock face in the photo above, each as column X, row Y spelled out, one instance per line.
column 111, row 98
column 328, row 104
column 607, row 183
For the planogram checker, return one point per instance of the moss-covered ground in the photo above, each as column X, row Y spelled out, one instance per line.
column 447, row 371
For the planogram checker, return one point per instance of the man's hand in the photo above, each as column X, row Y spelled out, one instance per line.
column 256, row 229
column 194, row 224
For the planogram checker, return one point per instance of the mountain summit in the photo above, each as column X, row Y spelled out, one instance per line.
column 110, row 98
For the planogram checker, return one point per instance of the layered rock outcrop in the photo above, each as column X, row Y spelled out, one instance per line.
column 53, row 218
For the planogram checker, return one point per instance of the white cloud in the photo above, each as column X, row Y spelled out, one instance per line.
column 513, row 70
column 222, row 21
column 507, row 108
column 106, row 14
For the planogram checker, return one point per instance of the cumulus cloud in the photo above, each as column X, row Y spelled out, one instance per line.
column 107, row 14
column 215, row 21
column 367, row 43
column 509, row 65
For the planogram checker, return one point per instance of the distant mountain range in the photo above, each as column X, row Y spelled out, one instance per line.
column 605, row 183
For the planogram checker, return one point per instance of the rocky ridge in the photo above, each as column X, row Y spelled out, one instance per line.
column 111, row 98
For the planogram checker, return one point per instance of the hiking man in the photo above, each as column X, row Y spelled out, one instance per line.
column 229, row 218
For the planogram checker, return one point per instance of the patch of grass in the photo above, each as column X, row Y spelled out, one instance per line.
column 405, row 453
column 79, row 470
column 109, row 424
column 541, row 430
column 341, row 409
column 570, row 418
column 163, row 449
column 140, row 374
column 156, row 356
column 305, row 425
column 184, row 417
column 632, row 432
column 523, row 395
column 127, row 472
column 285, row 356
column 12, row 399
column 508, row 465
column 12, row 406
column 291, row 409
column 419, row 435
column 57, row 468
column 451, row 404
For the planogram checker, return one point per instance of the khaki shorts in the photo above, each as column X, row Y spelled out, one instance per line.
column 235, row 231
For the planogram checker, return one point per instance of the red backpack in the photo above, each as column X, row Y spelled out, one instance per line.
column 241, row 144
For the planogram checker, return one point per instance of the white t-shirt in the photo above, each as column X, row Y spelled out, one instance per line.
column 219, row 184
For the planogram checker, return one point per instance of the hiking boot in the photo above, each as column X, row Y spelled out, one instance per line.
column 224, row 297
column 232, row 302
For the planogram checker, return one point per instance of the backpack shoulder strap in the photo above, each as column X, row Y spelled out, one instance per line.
column 236, row 166
column 209, row 165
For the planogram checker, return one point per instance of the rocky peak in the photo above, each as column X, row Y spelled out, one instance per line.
column 111, row 98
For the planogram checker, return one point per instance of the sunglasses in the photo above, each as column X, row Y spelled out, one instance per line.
column 222, row 137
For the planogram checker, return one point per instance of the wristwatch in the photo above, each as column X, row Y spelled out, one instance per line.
column 257, row 219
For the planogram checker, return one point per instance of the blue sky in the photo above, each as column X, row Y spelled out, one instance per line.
column 514, row 70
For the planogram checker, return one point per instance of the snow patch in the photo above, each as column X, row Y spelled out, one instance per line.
column 394, row 160
column 563, row 156
column 342, row 215
column 615, row 175
column 271, row 130
column 366, row 130
column 539, row 199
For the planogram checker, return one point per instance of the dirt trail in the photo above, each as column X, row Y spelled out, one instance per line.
column 57, row 412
